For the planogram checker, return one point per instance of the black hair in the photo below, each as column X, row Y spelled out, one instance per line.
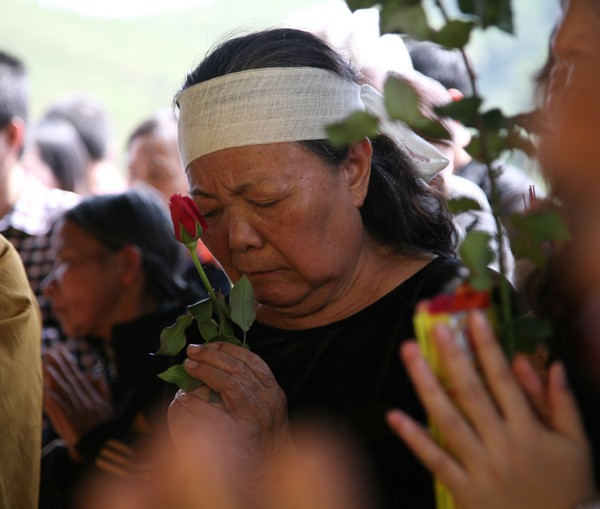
column 444, row 65
column 62, row 150
column 91, row 119
column 136, row 217
column 400, row 211
column 14, row 89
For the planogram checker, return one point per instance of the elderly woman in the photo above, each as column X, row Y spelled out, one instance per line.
column 339, row 244
column 116, row 284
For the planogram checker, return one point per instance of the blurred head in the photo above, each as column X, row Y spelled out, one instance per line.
column 116, row 259
column 14, row 105
column 153, row 158
column 569, row 150
column 296, row 215
column 57, row 157
column 91, row 119
column 444, row 65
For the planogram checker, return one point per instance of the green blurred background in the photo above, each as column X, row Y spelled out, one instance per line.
column 135, row 64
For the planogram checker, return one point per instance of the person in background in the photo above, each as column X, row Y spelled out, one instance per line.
column 57, row 157
column 116, row 283
column 27, row 207
column 530, row 443
column 91, row 120
column 153, row 160
column 20, row 384
column 338, row 243
column 448, row 68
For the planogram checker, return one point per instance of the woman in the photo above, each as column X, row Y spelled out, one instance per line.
column 115, row 284
column 525, row 444
column 339, row 244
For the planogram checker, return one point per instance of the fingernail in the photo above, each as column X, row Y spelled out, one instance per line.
column 560, row 375
column 190, row 364
column 194, row 348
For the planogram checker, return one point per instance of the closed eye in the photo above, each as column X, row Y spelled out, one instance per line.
column 264, row 204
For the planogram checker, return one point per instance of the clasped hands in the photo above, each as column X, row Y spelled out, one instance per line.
column 74, row 402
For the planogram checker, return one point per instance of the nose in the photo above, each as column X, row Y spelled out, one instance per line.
column 243, row 235
column 570, row 36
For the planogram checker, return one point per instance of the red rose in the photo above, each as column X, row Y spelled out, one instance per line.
column 188, row 223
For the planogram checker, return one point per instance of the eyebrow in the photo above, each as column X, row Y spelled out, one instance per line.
column 240, row 189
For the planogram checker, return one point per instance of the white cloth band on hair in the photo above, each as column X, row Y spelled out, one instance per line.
column 282, row 104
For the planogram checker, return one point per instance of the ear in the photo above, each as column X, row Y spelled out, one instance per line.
column 358, row 170
column 14, row 135
column 130, row 263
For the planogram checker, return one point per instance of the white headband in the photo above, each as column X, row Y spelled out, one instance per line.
column 273, row 105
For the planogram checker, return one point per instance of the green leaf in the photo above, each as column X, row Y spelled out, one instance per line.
column 408, row 19
column 226, row 338
column 496, row 13
column 464, row 111
column 455, row 34
column 460, row 205
column 494, row 120
column 402, row 103
column 241, row 301
column 357, row 126
column 180, row 377
column 202, row 312
column 172, row 339
column 476, row 256
column 225, row 325
column 361, row 4
column 529, row 332
column 530, row 231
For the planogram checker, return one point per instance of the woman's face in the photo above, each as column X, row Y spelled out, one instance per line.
column 276, row 213
column 573, row 101
column 155, row 161
column 84, row 287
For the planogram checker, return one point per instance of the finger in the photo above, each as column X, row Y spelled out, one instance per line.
column 253, row 362
column 239, row 392
column 460, row 436
column 532, row 385
column 468, row 389
column 66, row 375
column 429, row 453
column 498, row 374
column 564, row 413
column 101, row 385
column 55, row 405
column 60, row 386
column 78, row 379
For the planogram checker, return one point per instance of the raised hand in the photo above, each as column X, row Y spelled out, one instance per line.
column 241, row 408
column 501, row 452
column 74, row 402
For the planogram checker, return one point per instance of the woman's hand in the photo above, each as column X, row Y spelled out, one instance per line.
column 241, row 408
column 501, row 452
column 74, row 402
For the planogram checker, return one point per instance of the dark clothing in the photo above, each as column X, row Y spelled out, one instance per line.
column 138, row 396
column 513, row 184
column 351, row 369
